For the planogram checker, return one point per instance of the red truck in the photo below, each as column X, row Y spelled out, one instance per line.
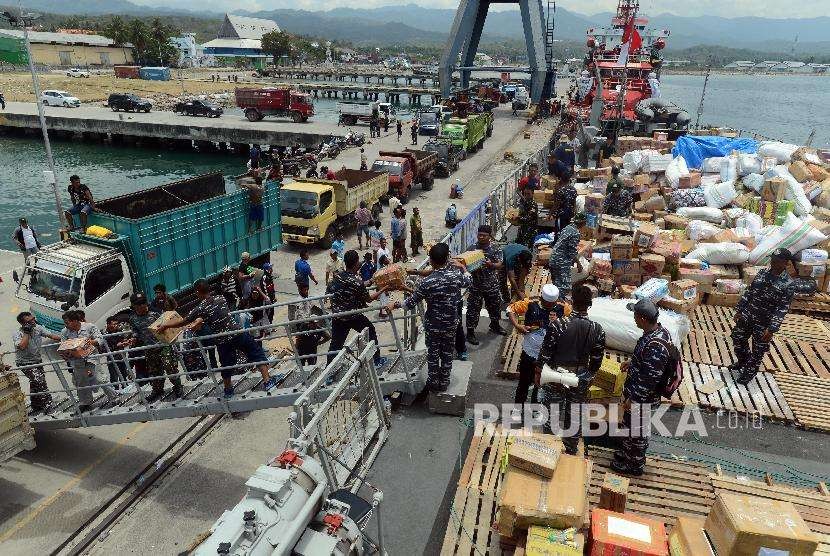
column 271, row 101
column 405, row 169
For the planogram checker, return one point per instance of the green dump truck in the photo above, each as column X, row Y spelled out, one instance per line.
column 172, row 234
column 469, row 133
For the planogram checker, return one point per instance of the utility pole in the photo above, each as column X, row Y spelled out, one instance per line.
column 49, row 175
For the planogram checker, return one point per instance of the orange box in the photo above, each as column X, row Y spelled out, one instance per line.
column 615, row 534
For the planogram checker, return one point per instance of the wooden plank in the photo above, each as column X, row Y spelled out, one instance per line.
column 807, row 398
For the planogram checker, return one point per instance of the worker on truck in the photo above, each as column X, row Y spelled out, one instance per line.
column 81, row 201
column 212, row 313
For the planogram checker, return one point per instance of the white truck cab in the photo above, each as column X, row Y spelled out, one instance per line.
column 65, row 276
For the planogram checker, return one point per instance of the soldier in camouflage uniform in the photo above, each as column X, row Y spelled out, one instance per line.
column 641, row 389
column 759, row 315
column 156, row 361
column 577, row 345
column 441, row 289
column 564, row 254
column 486, row 289
column 565, row 203
column 27, row 341
column 618, row 202
column 528, row 218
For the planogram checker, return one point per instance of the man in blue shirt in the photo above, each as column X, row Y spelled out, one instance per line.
column 302, row 271
column 517, row 262
column 565, row 153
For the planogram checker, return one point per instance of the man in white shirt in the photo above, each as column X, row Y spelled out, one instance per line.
column 26, row 238
column 383, row 252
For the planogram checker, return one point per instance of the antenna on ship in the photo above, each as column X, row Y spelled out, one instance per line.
column 703, row 93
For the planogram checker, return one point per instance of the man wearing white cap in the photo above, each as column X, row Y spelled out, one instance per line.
column 573, row 345
column 654, row 84
column 538, row 316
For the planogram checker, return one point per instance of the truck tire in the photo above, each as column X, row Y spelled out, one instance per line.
column 426, row 185
column 404, row 199
column 326, row 241
column 489, row 132
column 350, row 120
column 297, row 117
column 253, row 114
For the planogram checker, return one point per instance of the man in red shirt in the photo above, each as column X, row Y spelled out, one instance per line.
column 531, row 179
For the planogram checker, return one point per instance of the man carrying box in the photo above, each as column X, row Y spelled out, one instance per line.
column 563, row 255
column 157, row 361
column 759, row 315
column 485, row 289
column 528, row 218
column 87, row 374
column 618, row 202
column 441, row 289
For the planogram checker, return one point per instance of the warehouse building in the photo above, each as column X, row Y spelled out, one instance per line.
column 240, row 40
column 63, row 49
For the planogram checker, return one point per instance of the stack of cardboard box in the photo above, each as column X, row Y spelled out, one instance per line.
column 608, row 382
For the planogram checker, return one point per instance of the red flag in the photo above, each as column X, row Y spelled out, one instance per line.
column 631, row 42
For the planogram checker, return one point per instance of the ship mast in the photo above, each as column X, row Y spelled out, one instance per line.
column 627, row 10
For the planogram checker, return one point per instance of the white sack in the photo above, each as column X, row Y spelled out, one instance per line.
column 782, row 152
column 710, row 214
column 795, row 191
column 633, row 161
column 794, row 235
column 618, row 322
column 580, row 204
column 729, row 169
column 712, row 165
column 653, row 163
column 700, row 229
column 814, row 256
column 754, row 182
column 732, row 214
column 721, row 253
column 577, row 276
column 749, row 164
column 720, row 194
column 676, row 169
column 750, row 221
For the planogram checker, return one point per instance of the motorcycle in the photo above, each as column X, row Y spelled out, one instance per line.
column 291, row 167
column 329, row 149
column 353, row 139
column 307, row 160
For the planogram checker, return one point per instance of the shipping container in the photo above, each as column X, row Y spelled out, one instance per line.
column 127, row 72
column 155, row 74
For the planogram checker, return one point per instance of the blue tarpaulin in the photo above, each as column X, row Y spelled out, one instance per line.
column 695, row 148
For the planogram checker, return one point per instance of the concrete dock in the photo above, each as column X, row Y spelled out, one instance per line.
column 100, row 123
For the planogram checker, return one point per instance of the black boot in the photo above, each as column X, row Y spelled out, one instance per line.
column 497, row 329
column 736, row 367
column 746, row 377
column 471, row 337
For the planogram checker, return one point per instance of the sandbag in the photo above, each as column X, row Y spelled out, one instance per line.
column 621, row 332
column 700, row 229
column 794, row 235
column 712, row 165
column 749, row 164
column 720, row 253
column 687, row 198
column 732, row 214
column 754, row 182
column 729, row 169
column 710, row 214
column 795, row 191
column 675, row 170
column 782, row 152
column 720, row 194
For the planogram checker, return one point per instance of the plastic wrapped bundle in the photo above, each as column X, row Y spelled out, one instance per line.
column 721, row 253
column 712, row 165
column 749, row 164
column 688, row 198
column 804, row 286
column 621, row 332
column 753, row 181
column 720, row 195
column 782, row 152
column 794, row 235
column 729, row 169
column 710, row 214
column 676, row 169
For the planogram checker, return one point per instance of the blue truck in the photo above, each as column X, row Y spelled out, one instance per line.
column 173, row 234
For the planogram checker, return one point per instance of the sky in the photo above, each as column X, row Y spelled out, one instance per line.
column 729, row 8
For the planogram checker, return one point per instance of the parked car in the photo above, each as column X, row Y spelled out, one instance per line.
column 198, row 108
column 77, row 72
column 59, row 98
column 128, row 102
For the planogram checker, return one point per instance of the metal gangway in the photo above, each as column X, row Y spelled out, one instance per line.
column 400, row 340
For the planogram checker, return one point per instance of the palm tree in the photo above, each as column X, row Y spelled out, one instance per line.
column 117, row 31
column 139, row 36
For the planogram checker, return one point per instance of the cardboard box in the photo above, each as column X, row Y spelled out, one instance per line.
column 546, row 541
column 689, row 539
column 811, row 270
column 741, row 525
column 675, row 222
column 593, row 203
column 658, row 202
column 642, row 179
column 537, row 453
column 601, row 268
column 682, row 306
column 729, row 285
column 695, row 178
column 724, row 236
column 528, row 499
column 723, row 299
column 652, row 264
column 76, row 348
column 512, row 215
column 613, row 493
column 645, row 235
column 616, row 224
column 685, row 182
column 169, row 335
column 625, row 266
column 605, row 285
column 622, row 247
column 585, row 248
column 800, row 171
column 632, row 279
column 615, row 534
column 643, row 216
column 393, row 277
column 750, row 272
column 689, row 263
column 702, row 277
column 609, row 377
column 684, row 290
column 725, row 271
column 625, row 291
column 774, row 189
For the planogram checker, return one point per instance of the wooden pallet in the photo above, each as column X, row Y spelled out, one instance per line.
column 470, row 531
column 510, row 354
column 710, row 318
column 809, row 358
column 807, row 396
column 810, row 304
column 812, row 505
column 761, row 397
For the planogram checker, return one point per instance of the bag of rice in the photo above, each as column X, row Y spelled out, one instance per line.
column 710, row 214
column 700, row 229
column 754, row 182
column 676, row 168
column 782, row 152
column 795, row 191
column 720, row 195
column 720, row 253
column 749, row 164
column 794, row 235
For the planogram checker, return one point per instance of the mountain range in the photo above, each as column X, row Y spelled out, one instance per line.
column 412, row 24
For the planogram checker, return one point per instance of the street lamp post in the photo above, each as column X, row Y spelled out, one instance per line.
column 50, row 175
